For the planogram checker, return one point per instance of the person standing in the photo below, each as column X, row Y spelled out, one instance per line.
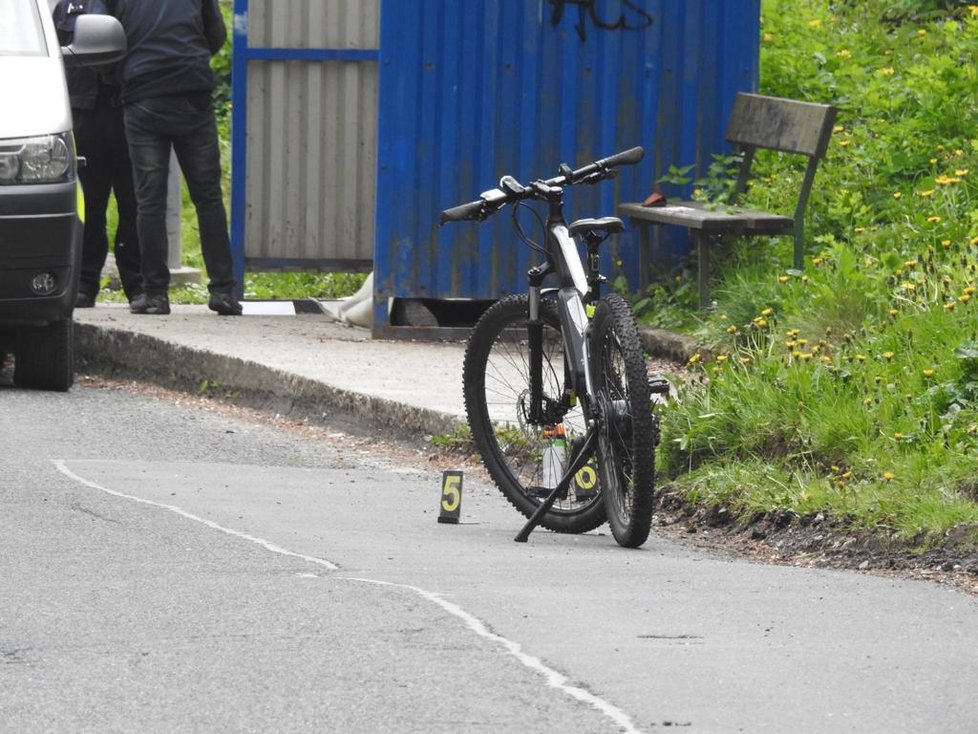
column 167, row 85
column 101, row 140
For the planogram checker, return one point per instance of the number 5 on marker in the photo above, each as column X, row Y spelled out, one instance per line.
column 451, row 496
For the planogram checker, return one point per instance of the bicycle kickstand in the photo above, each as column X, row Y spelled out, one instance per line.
column 577, row 463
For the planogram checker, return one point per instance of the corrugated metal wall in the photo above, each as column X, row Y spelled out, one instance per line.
column 305, row 133
column 473, row 90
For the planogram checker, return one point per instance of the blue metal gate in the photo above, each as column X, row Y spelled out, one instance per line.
column 472, row 91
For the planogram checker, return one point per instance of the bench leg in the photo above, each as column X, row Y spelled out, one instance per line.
column 644, row 254
column 702, row 242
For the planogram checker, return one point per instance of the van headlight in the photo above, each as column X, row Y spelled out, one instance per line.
column 41, row 159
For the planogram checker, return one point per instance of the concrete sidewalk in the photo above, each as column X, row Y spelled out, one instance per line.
column 295, row 364
column 303, row 364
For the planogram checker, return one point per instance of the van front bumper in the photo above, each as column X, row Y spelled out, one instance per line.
column 40, row 252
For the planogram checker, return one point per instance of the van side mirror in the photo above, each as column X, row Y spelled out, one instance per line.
column 98, row 39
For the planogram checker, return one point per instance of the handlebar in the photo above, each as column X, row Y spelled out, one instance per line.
column 494, row 199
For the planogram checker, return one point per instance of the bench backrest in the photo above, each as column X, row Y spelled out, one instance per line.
column 780, row 124
column 785, row 125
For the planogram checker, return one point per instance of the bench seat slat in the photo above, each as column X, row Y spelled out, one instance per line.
column 698, row 215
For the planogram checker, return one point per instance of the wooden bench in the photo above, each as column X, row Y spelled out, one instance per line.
column 756, row 122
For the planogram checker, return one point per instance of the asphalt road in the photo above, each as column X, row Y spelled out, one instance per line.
column 164, row 568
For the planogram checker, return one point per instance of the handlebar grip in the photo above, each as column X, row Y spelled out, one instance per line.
column 625, row 158
column 472, row 210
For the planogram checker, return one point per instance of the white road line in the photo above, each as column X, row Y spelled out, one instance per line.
column 553, row 678
column 190, row 516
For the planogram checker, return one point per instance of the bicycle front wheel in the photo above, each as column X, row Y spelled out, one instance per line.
column 518, row 453
column 629, row 430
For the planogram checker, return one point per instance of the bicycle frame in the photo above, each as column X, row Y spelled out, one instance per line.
column 574, row 286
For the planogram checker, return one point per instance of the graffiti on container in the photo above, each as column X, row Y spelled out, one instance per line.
column 632, row 17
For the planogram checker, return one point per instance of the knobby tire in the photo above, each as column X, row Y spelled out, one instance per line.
column 629, row 429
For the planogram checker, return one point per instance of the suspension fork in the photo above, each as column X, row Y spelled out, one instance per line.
column 534, row 335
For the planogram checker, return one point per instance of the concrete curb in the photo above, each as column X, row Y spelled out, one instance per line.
column 668, row 345
column 122, row 354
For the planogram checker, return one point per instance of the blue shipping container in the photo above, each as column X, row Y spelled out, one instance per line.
column 470, row 91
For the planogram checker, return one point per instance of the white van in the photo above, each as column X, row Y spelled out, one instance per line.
column 40, row 197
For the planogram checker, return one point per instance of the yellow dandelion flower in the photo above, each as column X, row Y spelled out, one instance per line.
column 888, row 356
column 860, row 357
column 928, row 373
column 910, row 264
column 888, row 476
column 844, row 53
column 803, row 342
column 867, row 401
column 731, row 329
column 887, row 71
column 908, row 286
column 961, row 172
column 796, row 354
column 819, row 260
column 783, row 279
column 768, row 37
column 970, row 290
column 973, row 240
column 838, row 129
column 897, row 435
column 817, row 23
column 793, row 333
column 893, row 312
column 897, row 195
column 926, row 193
column 921, row 32
column 745, row 360
column 933, row 219
column 964, row 297
column 791, row 344
column 695, row 359
column 721, row 358
column 805, row 356
column 946, row 244
column 760, row 323
column 846, row 474
column 950, row 306
column 973, row 9
column 767, row 312
column 858, row 230
column 933, row 161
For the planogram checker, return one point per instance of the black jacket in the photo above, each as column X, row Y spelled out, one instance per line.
column 86, row 86
column 170, row 44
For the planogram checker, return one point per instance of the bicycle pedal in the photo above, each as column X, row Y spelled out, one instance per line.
column 659, row 386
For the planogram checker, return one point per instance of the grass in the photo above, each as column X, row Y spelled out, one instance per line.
column 849, row 388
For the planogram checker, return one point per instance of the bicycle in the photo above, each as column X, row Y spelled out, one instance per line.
column 556, row 389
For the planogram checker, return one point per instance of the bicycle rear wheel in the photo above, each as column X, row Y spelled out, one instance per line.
column 629, row 430
column 517, row 453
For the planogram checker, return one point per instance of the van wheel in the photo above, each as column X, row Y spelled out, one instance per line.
column 45, row 356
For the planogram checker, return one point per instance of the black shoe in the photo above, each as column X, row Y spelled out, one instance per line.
column 84, row 300
column 151, row 305
column 225, row 304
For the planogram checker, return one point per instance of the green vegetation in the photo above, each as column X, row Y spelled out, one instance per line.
column 849, row 388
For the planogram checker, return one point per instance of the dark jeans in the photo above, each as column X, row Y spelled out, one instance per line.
column 101, row 140
column 187, row 124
